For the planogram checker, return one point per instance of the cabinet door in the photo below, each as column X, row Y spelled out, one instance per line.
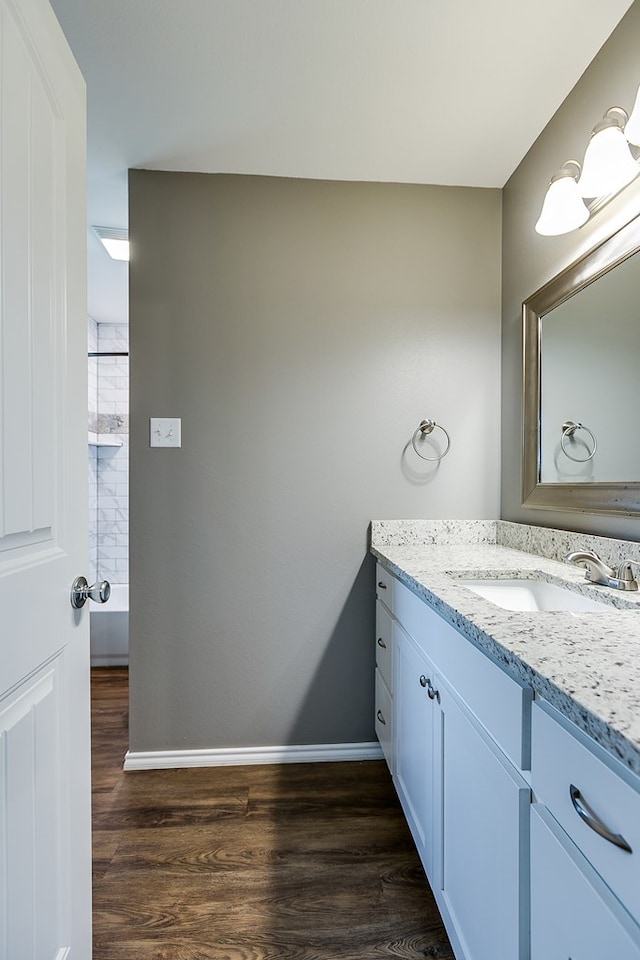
column 414, row 715
column 573, row 914
column 483, row 872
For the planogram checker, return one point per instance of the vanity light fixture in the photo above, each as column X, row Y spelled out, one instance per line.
column 575, row 193
column 563, row 208
column 608, row 165
column 115, row 240
column 632, row 128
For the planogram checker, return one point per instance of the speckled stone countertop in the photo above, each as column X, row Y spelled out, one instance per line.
column 586, row 664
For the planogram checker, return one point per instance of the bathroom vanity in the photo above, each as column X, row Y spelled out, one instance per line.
column 513, row 737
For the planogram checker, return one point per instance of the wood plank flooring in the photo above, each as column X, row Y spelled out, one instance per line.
column 277, row 862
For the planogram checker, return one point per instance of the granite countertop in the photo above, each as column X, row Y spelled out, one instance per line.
column 585, row 664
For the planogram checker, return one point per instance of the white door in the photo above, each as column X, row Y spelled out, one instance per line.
column 45, row 853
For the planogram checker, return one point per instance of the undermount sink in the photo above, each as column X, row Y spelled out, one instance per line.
column 528, row 594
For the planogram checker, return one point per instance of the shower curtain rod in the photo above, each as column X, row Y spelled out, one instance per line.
column 108, row 353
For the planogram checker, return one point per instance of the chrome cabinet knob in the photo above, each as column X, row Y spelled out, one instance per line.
column 423, row 681
column 81, row 592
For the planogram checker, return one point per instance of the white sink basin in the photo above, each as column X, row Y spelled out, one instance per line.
column 524, row 595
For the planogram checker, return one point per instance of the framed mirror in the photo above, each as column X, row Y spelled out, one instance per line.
column 581, row 444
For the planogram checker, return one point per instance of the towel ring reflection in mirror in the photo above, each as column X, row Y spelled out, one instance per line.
column 569, row 429
column 426, row 427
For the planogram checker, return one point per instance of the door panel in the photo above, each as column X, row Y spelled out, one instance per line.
column 29, row 747
column 44, row 657
column 30, row 131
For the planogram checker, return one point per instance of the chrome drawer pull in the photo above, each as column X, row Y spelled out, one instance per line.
column 432, row 693
column 382, row 585
column 381, row 643
column 381, row 718
column 592, row 820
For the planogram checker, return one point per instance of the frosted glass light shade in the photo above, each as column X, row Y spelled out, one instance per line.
column 563, row 209
column 632, row 128
column 608, row 165
column 117, row 249
column 115, row 240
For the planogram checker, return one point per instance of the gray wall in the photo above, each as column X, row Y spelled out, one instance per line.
column 301, row 329
column 529, row 260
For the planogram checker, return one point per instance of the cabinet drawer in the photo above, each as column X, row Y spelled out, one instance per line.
column 500, row 702
column 384, row 717
column 385, row 582
column 384, row 648
column 573, row 914
column 562, row 757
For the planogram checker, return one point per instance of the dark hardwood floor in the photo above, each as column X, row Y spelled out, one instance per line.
column 287, row 862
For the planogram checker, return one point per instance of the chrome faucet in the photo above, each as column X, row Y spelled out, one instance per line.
column 620, row 577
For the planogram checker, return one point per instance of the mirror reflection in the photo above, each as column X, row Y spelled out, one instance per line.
column 590, row 382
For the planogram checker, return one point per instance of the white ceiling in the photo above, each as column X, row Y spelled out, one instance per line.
column 417, row 91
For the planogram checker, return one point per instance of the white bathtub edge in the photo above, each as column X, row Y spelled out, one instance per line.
column 109, row 629
column 118, row 601
column 234, row 756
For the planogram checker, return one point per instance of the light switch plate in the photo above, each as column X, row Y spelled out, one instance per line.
column 165, row 432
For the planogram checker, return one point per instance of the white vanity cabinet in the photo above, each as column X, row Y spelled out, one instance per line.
column 460, row 726
column 585, row 846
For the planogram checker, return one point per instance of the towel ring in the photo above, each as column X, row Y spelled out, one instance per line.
column 568, row 430
column 426, row 427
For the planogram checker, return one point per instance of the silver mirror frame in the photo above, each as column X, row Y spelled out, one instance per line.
column 617, row 498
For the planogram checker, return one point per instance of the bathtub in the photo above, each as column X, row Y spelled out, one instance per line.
column 109, row 629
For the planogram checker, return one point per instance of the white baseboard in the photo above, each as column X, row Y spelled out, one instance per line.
column 234, row 756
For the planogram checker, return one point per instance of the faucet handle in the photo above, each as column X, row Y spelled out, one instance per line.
column 624, row 570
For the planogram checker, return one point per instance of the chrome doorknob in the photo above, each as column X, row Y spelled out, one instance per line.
column 81, row 592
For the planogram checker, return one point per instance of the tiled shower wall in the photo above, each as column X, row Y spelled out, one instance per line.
column 110, row 468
